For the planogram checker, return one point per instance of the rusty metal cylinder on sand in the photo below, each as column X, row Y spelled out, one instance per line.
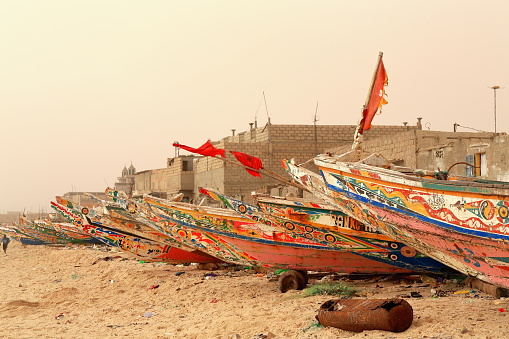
column 395, row 315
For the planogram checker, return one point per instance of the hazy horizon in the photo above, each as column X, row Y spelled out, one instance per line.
column 88, row 87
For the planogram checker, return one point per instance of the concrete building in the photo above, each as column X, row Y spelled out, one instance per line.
column 177, row 177
column 271, row 143
column 125, row 182
column 404, row 145
column 445, row 151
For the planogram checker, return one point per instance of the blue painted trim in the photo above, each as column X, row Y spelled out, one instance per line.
column 437, row 223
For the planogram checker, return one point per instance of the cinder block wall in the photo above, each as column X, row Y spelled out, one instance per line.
column 273, row 143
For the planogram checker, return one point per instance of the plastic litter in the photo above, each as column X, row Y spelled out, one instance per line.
column 179, row 273
column 280, row 271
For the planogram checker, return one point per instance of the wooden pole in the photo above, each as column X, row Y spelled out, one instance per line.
column 267, row 173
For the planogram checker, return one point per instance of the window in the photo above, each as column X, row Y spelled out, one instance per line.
column 187, row 165
column 479, row 162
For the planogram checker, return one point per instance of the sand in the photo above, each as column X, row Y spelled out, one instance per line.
column 72, row 292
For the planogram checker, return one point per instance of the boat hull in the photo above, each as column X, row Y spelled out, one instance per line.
column 463, row 226
column 144, row 249
column 271, row 247
column 310, row 225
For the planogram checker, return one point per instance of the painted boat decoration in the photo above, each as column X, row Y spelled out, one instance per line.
column 72, row 231
column 266, row 245
column 142, row 248
column 460, row 221
column 40, row 230
column 140, row 229
column 15, row 234
column 121, row 219
column 191, row 236
column 66, row 230
column 311, row 211
column 464, row 224
column 367, row 243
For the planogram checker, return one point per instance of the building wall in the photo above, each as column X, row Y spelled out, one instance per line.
column 437, row 150
column 142, row 182
column 209, row 172
column 180, row 176
column 273, row 143
column 497, row 154
column 151, row 182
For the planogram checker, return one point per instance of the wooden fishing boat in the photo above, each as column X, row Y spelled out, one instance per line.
column 118, row 218
column 142, row 248
column 267, row 245
column 14, row 233
column 66, row 230
column 143, row 230
column 191, row 237
column 40, row 230
column 344, row 234
column 72, row 231
column 462, row 222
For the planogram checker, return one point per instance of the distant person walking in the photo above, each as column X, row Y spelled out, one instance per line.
column 5, row 241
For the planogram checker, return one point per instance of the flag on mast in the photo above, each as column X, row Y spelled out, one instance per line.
column 247, row 160
column 207, row 149
column 374, row 101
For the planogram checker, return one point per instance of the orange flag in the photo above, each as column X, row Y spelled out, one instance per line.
column 376, row 97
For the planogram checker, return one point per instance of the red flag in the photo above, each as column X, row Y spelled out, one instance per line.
column 376, row 97
column 207, row 149
column 249, row 161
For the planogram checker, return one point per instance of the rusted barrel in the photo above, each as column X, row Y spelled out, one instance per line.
column 395, row 315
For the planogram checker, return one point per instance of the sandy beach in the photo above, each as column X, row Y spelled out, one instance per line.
column 85, row 292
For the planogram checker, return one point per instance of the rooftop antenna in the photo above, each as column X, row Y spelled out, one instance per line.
column 266, row 109
column 315, row 120
column 494, row 88
column 256, row 113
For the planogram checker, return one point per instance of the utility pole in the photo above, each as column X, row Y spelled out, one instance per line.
column 494, row 88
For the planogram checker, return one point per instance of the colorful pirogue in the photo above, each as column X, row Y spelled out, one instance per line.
column 462, row 222
column 14, row 233
column 49, row 233
column 183, row 232
column 143, row 248
column 268, row 245
column 345, row 235
column 119, row 219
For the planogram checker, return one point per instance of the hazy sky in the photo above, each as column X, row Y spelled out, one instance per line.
column 87, row 87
